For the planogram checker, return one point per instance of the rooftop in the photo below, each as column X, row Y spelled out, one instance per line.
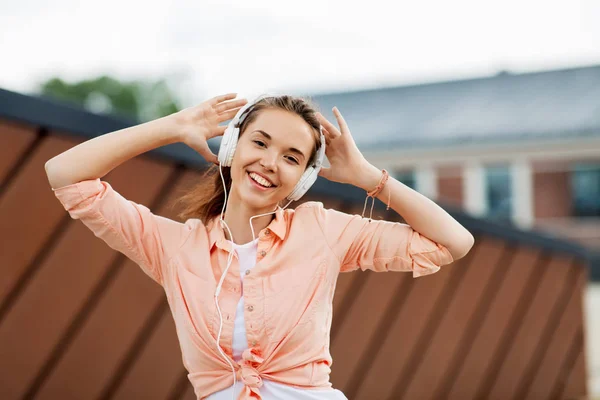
column 505, row 107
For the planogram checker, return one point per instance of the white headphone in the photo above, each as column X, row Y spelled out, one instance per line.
column 229, row 144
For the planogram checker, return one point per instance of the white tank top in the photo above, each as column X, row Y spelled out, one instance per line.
column 270, row 390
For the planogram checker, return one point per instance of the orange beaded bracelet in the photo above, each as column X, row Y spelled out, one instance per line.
column 379, row 187
column 375, row 192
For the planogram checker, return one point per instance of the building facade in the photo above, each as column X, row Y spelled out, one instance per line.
column 522, row 149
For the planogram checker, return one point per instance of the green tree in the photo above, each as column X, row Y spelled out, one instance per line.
column 141, row 100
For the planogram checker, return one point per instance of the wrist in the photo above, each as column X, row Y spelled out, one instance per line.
column 369, row 177
column 174, row 128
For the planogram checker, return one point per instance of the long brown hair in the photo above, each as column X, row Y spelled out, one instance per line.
column 205, row 200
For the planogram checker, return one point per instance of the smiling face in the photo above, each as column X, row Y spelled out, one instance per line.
column 271, row 155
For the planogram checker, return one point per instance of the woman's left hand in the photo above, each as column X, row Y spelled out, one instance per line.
column 347, row 164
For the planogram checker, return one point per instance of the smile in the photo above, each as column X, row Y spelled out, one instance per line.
column 260, row 182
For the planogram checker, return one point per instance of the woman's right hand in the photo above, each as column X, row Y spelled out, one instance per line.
column 200, row 123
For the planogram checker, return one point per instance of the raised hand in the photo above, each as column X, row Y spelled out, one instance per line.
column 201, row 122
column 346, row 161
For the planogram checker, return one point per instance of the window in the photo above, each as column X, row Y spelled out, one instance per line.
column 498, row 192
column 406, row 177
column 585, row 187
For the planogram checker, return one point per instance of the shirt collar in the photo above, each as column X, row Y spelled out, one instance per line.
column 278, row 226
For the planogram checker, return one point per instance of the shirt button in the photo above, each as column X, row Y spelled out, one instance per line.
column 263, row 253
column 247, row 272
column 250, row 308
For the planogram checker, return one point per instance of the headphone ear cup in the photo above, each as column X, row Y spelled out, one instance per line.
column 228, row 145
column 309, row 177
column 306, row 181
column 231, row 135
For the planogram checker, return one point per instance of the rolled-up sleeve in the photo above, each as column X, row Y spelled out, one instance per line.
column 128, row 227
column 379, row 245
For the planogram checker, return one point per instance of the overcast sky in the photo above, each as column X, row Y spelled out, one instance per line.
column 310, row 46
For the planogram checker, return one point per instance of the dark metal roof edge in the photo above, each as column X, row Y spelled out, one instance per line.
column 67, row 119
column 501, row 75
column 57, row 116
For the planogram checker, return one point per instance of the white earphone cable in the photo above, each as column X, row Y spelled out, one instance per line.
column 229, row 260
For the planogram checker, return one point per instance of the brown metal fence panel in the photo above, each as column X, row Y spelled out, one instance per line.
column 575, row 377
column 498, row 318
column 415, row 305
column 518, row 359
column 127, row 299
column 31, row 222
column 16, row 140
column 158, row 365
column 568, row 323
column 451, row 318
column 188, row 395
column 359, row 329
column 156, row 359
column 23, row 206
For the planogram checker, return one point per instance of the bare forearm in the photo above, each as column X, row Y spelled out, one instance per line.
column 97, row 157
column 421, row 213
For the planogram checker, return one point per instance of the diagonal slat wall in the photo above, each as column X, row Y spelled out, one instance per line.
column 16, row 140
column 552, row 365
column 519, row 356
column 160, row 348
column 78, row 320
column 498, row 317
column 450, row 322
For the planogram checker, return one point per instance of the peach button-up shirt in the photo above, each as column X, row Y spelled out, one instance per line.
column 288, row 294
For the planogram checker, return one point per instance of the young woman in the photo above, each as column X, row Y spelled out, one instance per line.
column 250, row 284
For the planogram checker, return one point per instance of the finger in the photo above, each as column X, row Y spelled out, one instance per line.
column 208, row 155
column 329, row 136
column 228, row 105
column 340, row 119
column 226, row 116
column 201, row 147
column 325, row 172
column 328, row 125
column 224, row 97
column 219, row 131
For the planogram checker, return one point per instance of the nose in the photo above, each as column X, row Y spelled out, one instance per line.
column 269, row 161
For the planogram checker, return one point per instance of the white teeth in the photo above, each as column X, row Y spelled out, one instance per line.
column 259, row 179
